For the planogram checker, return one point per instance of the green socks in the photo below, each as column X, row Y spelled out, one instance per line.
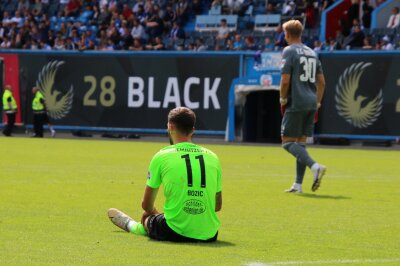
column 136, row 228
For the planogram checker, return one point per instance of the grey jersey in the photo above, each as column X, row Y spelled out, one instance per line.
column 302, row 63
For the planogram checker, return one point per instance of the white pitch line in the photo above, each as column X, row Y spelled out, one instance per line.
column 322, row 262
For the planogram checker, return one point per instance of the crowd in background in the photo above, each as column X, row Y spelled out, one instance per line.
column 138, row 25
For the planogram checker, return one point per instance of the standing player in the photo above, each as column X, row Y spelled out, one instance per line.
column 301, row 90
column 191, row 176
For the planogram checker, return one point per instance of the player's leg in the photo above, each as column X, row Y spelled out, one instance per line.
column 291, row 133
column 125, row 222
column 317, row 169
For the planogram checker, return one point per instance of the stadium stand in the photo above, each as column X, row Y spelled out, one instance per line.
column 37, row 25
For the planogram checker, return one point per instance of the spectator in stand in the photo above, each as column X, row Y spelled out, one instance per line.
column 279, row 40
column 127, row 12
column 366, row 17
column 353, row 11
column 268, row 45
column 238, row 43
column 138, row 31
column 355, row 39
column 23, row 5
column 367, row 44
column 177, row 32
column 105, row 15
column 37, row 8
column 270, row 9
column 223, row 30
column 311, row 15
column 59, row 43
column 232, row 6
column 318, row 46
column 200, row 46
column 229, row 45
column 69, row 44
column 182, row 11
column 154, row 26
column 137, row 45
column 72, row 8
column 249, row 44
column 17, row 19
column 156, row 44
column 169, row 16
column 386, row 44
column 126, row 39
column 394, row 19
column 197, row 7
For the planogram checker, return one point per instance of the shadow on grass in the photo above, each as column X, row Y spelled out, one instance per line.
column 316, row 196
column 217, row 244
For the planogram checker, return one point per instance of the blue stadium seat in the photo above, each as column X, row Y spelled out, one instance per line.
column 266, row 22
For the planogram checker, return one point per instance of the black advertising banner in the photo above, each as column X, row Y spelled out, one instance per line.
column 362, row 95
column 130, row 90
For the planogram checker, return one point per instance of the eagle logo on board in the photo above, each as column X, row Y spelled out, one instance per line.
column 58, row 104
column 355, row 108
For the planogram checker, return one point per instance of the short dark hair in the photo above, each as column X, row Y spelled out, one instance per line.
column 183, row 118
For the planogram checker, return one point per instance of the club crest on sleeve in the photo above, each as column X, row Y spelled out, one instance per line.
column 148, row 175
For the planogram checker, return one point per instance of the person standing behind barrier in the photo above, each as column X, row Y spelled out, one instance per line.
column 39, row 112
column 10, row 108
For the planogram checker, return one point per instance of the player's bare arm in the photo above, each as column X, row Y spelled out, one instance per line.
column 149, row 198
column 284, row 86
column 320, row 87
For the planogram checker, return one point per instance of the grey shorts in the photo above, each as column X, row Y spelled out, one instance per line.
column 298, row 124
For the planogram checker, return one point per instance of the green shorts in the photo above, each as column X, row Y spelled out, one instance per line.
column 298, row 124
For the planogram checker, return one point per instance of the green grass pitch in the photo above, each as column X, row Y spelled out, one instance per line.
column 54, row 194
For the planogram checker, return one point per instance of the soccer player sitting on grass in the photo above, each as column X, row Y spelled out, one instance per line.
column 301, row 90
column 191, row 177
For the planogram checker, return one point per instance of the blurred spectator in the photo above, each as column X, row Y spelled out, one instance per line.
column 137, row 31
column 238, row 43
column 289, row 8
column 229, row 45
column 169, row 16
column 126, row 39
column 23, row 5
column 72, row 8
column 177, row 32
column 311, row 16
column 223, row 30
column 200, row 46
column 268, row 45
column 270, row 9
column 126, row 12
column 386, row 44
column 353, row 11
column 69, row 44
column 37, row 8
column 394, row 19
column 249, row 43
column 356, row 38
column 367, row 44
column 155, row 26
column 156, row 44
column 366, row 17
column 137, row 45
column 233, row 6
column 279, row 40
column 318, row 46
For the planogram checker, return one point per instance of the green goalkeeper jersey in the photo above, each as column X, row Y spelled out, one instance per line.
column 191, row 177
